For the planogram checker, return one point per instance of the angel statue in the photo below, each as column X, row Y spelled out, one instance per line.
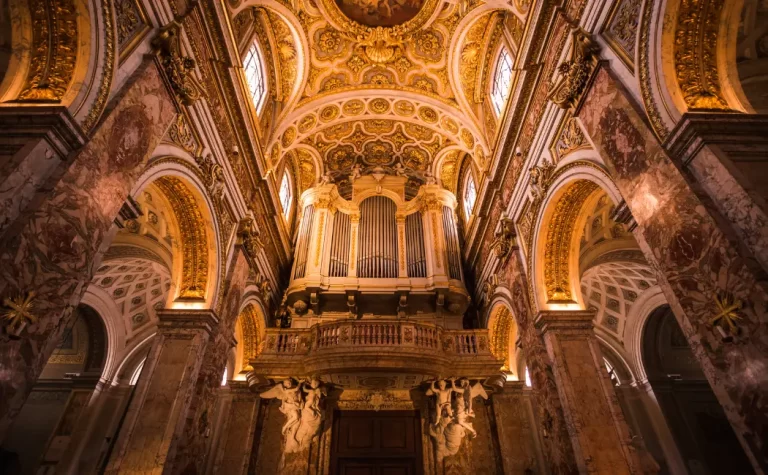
column 453, row 423
column 301, row 406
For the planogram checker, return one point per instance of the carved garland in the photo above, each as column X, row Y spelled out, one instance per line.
column 558, row 245
column 194, row 243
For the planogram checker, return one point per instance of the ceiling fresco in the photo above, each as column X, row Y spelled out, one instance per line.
column 385, row 85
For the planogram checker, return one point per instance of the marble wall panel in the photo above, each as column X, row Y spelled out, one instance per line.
column 696, row 261
column 516, row 432
column 53, row 249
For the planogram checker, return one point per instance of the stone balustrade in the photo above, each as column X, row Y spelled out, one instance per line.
column 345, row 346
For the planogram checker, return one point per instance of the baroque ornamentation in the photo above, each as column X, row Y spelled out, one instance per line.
column 131, row 24
column 727, row 316
column 557, row 252
column 505, row 239
column 621, row 29
column 248, row 236
column 696, row 36
column 569, row 139
column 453, row 414
column 179, row 70
column 54, row 48
column 302, row 403
column 18, row 312
column 194, row 242
column 182, row 135
column 576, row 71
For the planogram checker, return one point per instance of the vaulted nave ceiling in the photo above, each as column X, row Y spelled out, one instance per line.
column 396, row 85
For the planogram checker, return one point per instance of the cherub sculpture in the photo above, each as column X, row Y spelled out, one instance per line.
column 443, row 394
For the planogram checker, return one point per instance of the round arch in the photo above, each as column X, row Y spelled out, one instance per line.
column 249, row 333
column 197, row 273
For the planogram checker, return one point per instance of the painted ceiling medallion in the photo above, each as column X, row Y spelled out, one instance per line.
column 375, row 13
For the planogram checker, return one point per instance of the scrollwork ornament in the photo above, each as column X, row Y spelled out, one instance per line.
column 248, row 236
column 505, row 239
column 576, row 71
column 178, row 69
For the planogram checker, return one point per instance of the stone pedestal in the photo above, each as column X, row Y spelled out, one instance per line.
column 61, row 225
column 701, row 264
column 240, row 410
column 159, row 410
column 598, row 432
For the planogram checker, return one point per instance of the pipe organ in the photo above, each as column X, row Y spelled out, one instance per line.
column 377, row 255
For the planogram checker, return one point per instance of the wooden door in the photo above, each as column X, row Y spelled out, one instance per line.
column 376, row 443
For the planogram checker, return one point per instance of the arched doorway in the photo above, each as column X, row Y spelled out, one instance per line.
column 699, row 425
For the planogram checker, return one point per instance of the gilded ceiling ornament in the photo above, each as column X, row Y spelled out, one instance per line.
column 288, row 137
column 358, row 137
column 696, row 36
column 428, row 44
column 379, row 126
column 378, row 153
column 467, row 138
column 418, row 132
column 620, row 30
column 356, row 63
column 404, row 108
column 54, row 50
column 17, row 311
column 194, row 241
column 179, row 70
column 328, row 113
column 379, row 106
column 557, row 278
column 306, row 123
column 353, row 107
column 450, row 125
column 727, row 316
column 131, row 23
column 576, row 70
column 427, row 114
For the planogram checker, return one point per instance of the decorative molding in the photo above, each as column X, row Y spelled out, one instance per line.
column 505, row 239
column 646, row 82
column 100, row 104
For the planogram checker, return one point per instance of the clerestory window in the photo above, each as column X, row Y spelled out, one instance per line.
column 502, row 81
column 255, row 77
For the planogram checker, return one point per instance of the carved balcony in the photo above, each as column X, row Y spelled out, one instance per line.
column 375, row 346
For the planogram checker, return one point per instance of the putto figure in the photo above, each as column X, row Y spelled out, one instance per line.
column 453, row 414
column 301, row 404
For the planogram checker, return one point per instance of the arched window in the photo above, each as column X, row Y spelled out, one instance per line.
column 254, row 75
column 286, row 195
column 502, row 81
column 470, row 195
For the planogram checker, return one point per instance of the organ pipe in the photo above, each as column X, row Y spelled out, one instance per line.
column 340, row 246
column 451, row 243
column 377, row 256
column 414, row 245
column 302, row 243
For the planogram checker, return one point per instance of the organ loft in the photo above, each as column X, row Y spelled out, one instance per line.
column 383, row 237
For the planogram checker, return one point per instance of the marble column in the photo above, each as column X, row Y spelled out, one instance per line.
column 237, row 430
column 697, row 257
column 160, row 408
column 724, row 157
column 596, row 425
column 519, row 437
column 556, row 443
column 58, row 236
